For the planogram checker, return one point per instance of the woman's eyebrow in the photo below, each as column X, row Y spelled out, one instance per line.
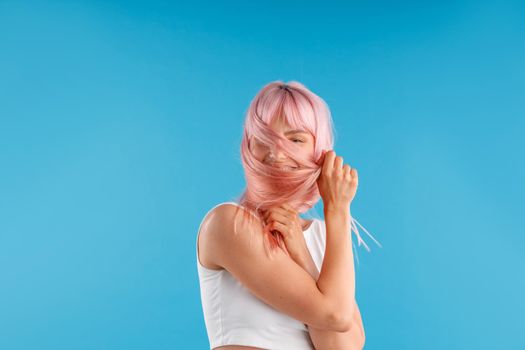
column 295, row 131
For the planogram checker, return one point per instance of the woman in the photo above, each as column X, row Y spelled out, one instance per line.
column 270, row 279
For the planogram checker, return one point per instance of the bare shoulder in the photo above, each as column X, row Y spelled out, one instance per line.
column 220, row 222
column 235, row 241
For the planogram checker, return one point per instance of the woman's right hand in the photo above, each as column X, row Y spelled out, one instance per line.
column 337, row 183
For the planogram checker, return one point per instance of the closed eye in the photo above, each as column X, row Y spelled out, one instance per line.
column 301, row 141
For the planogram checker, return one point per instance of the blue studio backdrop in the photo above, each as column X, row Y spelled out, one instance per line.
column 120, row 127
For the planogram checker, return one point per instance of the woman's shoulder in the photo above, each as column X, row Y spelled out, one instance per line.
column 219, row 226
column 213, row 220
column 222, row 206
column 227, row 210
column 217, row 215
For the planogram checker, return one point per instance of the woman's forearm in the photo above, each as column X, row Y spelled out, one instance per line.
column 330, row 340
column 337, row 276
column 325, row 339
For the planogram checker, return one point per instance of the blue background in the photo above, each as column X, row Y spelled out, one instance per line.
column 120, row 125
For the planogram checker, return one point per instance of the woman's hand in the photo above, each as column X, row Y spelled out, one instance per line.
column 337, row 183
column 284, row 220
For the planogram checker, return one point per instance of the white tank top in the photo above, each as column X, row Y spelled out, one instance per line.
column 234, row 316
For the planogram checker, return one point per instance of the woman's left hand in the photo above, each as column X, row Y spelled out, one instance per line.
column 286, row 221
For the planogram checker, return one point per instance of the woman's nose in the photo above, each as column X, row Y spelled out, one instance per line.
column 276, row 155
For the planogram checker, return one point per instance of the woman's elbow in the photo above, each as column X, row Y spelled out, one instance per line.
column 340, row 322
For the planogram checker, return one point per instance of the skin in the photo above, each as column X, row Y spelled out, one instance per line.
column 285, row 221
column 305, row 140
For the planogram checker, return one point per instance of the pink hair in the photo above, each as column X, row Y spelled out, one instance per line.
column 267, row 186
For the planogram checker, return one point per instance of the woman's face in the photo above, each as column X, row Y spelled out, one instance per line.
column 277, row 158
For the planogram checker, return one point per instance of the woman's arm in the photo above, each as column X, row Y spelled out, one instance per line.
column 331, row 340
column 354, row 339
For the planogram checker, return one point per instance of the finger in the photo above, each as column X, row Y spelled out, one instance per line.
column 338, row 164
column 279, row 217
column 347, row 172
column 289, row 208
column 328, row 163
column 287, row 213
column 283, row 229
column 268, row 212
column 355, row 176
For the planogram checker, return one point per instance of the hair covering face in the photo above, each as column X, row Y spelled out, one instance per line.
column 268, row 186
